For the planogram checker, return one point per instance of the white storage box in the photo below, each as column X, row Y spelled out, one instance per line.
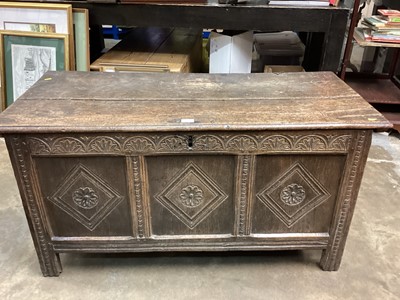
column 231, row 54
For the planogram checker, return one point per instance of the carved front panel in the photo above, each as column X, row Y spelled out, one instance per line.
column 295, row 193
column 191, row 194
column 186, row 185
column 85, row 196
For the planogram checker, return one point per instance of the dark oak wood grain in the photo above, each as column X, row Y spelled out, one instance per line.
column 88, row 102
column 268, row 162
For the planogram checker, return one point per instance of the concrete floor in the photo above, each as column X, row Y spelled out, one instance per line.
column 370, row 268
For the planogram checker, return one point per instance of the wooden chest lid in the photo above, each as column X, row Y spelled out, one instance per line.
column 103, row 102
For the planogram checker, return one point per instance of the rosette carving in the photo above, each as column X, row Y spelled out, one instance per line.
column 293, row 194
column 191, row 196
column 85, row 197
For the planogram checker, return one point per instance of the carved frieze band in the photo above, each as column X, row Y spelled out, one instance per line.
column 44, row 252
column 140, row 144
column 346, row 203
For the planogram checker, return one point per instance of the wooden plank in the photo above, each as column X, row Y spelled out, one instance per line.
column 375, row 90
column 252, row 15
column 169, row 102
column 200, row 243
column 197, row 87
column 394, row 118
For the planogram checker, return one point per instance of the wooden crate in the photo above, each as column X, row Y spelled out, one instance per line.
column 154, row 50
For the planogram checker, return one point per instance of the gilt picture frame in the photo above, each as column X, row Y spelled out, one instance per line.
column 26, row 56
column 39, row 17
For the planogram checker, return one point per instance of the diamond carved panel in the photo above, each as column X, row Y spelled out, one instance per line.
column 191, row 196
column 293, row 195
column 86, row 197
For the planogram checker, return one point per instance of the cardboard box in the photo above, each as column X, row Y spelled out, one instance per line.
column 231, row 54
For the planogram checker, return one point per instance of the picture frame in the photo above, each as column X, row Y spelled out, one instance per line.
column 81, row 37
column 26, row 56
column 39, row 17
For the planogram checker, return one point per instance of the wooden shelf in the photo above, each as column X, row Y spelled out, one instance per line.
column 383, row 94
column 379, row 90
column 375, row 90
column 326, row 25
column 359, row 37
column 393, row 118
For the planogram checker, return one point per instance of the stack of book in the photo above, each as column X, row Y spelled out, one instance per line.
column 384, row 27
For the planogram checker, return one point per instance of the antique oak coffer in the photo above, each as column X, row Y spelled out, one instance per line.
column 188, row 162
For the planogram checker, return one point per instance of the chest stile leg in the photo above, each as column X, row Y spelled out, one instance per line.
column 332, row 256
column 28, row 186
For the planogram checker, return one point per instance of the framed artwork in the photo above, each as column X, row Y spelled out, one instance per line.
column 35, row 27
column 39, row 17
column 26, row 56
column 81, row 37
